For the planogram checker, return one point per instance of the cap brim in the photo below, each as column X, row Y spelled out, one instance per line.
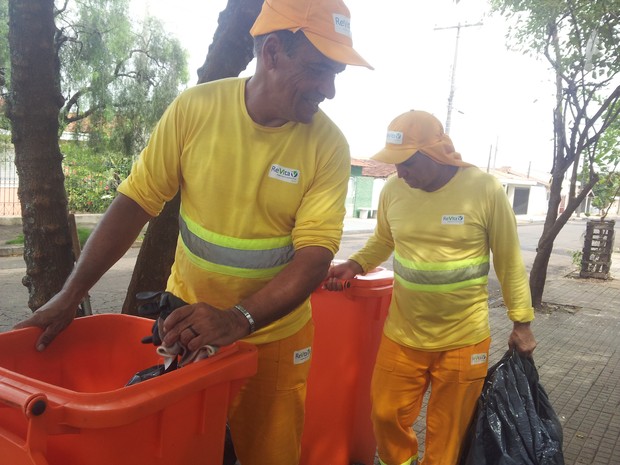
column 341, row 53
column 394, row 156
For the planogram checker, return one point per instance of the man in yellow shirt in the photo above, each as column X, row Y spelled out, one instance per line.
column 263, row 176
column 441, row 217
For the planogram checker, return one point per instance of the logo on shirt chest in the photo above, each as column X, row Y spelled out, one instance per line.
column 285, row 174
column 453, row 219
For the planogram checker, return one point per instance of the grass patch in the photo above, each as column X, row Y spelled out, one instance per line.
column 19, row 240
column 83, row 235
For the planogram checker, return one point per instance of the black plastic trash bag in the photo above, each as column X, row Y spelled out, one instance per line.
column 514, row 423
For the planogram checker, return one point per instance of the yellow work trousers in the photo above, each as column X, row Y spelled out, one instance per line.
column 401, row 377
column 266, row 419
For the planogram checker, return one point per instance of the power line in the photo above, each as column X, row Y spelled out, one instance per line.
column 453, row 72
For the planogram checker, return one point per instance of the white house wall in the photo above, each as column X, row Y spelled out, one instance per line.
column 537, row 201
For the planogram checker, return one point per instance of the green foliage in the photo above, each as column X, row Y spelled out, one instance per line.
column 118, row 76
column 83, row 235
column 576, row 22
column 605, row 192
column 606, row 162
column 576, row 257
column 608, row 187
column 91, row 177
column 17, row 241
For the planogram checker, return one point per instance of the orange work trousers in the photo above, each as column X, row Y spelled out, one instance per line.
column 266, row 419
column 401, row 377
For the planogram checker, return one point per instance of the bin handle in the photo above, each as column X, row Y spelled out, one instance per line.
column 32, row 404
column 346, row 284
column 347, row 287
column 352, row 288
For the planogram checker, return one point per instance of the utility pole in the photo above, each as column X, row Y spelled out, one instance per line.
column 489, row 160
column 453, row 72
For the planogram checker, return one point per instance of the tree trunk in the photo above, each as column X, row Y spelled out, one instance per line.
column 233, row 47
column 553, row 226
column 156, row 255
column 538, row 275
column 229, row 54
column 33, row 107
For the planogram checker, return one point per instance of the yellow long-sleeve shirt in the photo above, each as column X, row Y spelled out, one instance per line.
column 442, row 242
column 242, row 186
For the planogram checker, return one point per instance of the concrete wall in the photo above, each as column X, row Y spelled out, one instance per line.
column 363, row 194
column 88, row 220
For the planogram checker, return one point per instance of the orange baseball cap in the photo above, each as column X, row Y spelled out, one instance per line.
column 326, row 24
column 418, row 131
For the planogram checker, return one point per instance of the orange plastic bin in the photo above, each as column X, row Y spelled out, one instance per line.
column 348, row 328
column 69, row 405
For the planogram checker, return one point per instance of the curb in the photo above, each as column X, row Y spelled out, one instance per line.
column 81, row 219
column 18, row 250
column 11, row 250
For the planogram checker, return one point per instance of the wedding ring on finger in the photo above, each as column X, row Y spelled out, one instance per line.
column 194, row 332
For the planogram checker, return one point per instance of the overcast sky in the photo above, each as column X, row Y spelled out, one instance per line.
column 502, row 104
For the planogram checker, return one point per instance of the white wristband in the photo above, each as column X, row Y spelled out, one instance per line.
column 247, row 315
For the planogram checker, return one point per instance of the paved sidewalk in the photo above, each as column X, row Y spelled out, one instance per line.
column 578, row 359
column 578, row 354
